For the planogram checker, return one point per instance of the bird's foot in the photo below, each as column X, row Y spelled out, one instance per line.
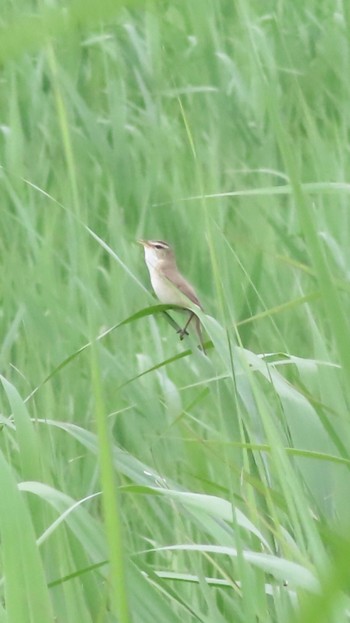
column 182, row 333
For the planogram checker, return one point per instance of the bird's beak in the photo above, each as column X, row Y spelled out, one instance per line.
column 143, row 242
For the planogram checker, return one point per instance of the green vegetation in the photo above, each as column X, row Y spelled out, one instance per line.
column 140, row 480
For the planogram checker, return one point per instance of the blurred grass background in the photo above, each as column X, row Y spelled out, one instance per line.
column 141, row 481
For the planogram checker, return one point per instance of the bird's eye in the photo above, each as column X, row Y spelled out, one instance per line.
column 158, row 246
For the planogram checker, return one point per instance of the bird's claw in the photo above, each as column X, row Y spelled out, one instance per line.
column 182, row 333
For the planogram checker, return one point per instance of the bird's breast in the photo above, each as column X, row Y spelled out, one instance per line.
column 164, row 289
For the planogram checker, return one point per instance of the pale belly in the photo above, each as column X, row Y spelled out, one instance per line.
column 166, row 291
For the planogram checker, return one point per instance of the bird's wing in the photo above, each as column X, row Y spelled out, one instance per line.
column 181, row 284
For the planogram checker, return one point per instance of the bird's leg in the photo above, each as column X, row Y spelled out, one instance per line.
column 200, row 335
column 183, row 332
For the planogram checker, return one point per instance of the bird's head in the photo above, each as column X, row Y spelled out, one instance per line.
column 157, row 251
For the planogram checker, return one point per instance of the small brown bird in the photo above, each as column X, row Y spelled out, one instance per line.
column 168, row 283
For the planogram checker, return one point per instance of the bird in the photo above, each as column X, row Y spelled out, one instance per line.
column 168, row 283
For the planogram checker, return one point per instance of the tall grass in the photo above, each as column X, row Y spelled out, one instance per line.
column 141, row 480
